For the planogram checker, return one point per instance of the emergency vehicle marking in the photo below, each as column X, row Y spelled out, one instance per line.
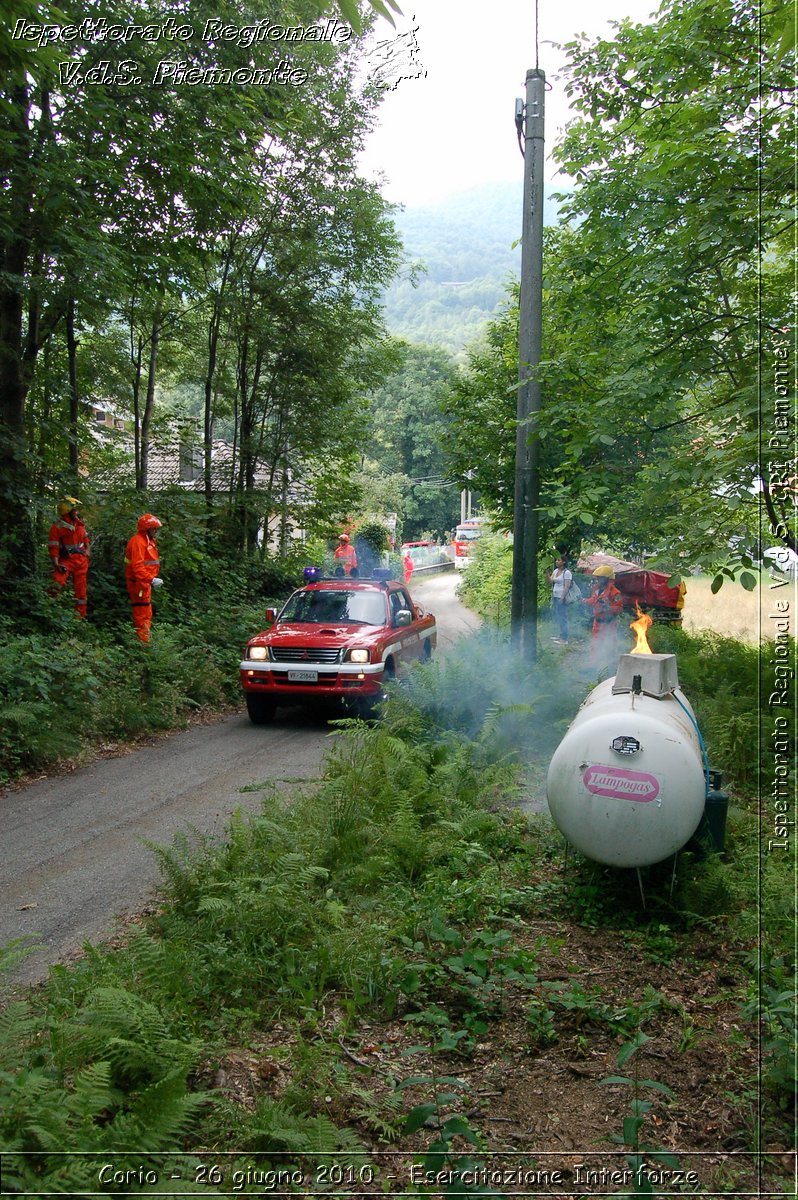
column 621, row 783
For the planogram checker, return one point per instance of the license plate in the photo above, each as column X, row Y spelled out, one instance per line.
column 303, row 677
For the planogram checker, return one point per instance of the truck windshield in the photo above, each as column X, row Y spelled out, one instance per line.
column 466, row 535
column 336, row 607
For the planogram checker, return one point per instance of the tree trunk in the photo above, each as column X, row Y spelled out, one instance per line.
column 17, row 557
column 136, row 358
column 141, row 481
column 72, row 427
column 284, row 511
column 210, row 375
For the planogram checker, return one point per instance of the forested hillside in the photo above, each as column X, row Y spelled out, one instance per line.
column 460, row 256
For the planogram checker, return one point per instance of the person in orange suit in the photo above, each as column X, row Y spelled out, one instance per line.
column 407, row 563
column 69, row 549
column 141, row 573
column 606, row 602
column 345, row 555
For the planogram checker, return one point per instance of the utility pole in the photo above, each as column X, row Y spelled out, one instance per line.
column 524, row 604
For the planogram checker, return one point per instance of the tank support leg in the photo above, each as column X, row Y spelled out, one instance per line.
column 673, row 874
column 640, row 884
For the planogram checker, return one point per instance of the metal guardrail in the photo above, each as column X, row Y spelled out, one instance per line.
column 434, row 567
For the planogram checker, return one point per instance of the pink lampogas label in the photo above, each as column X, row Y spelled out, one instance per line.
column 620, row 783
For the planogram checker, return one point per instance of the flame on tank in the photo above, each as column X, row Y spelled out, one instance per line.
column 640, row 626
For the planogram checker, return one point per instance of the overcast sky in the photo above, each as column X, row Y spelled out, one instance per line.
column 454, row 128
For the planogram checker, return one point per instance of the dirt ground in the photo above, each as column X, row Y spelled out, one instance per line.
column 545, row 1121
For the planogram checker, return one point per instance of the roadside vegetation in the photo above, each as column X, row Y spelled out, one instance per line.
column 69, row 686
column 401, row 967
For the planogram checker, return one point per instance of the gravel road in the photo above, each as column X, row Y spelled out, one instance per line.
column 75, row 857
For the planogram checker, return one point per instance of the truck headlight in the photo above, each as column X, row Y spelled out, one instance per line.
column 258, row 653
column 358, row 656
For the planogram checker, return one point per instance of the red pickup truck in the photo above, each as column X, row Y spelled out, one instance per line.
column 335, row 640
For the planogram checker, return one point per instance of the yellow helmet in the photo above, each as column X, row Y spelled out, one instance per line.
column 67, row 504
column 605, row 571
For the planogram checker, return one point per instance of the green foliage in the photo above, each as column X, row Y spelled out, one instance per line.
column 131, row 1034
column 408, row 437
column 275, row 1125
column 482, row 690
column 64, row 694
column 674, row 255
column 487, row 583
column 581, row 1006
column 374, row 534
column 322, row 896
column 106, row 1090
column 632, row 1124
column 773, row 1002
column 481, row 403
column 467, row 975
column 291, row 890
column 67, row 684
column 441, row 1154
column 226, row 253
column 658, row 218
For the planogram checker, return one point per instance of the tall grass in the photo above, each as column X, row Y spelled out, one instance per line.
column 733, row 612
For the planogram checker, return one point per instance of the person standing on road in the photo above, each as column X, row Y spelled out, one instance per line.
column 141, row 573
column 407, row 564
column 69, row 549
column 345, row 554
column 606, row 602
column 561, row 581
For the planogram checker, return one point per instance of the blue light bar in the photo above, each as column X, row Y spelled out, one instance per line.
column 312, row 574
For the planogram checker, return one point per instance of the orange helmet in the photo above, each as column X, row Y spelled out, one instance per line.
column 146, row 522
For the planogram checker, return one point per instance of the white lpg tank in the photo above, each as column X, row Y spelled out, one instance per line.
column 626, row 785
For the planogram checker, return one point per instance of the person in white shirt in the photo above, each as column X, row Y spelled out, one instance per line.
column 561, row 580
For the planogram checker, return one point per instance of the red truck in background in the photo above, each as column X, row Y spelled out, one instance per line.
column 639, row 587
column 466, row 533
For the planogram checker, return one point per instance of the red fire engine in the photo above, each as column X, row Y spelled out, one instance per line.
column 466, row 533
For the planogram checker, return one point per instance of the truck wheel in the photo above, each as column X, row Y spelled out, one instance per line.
column 368, row 707
column 261, row 710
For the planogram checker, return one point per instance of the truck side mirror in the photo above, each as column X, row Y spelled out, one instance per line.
column 271, row 616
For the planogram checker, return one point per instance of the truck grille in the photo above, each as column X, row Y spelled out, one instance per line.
column 306, row 654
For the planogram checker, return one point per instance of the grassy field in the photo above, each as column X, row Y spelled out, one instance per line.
column 734, row 612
